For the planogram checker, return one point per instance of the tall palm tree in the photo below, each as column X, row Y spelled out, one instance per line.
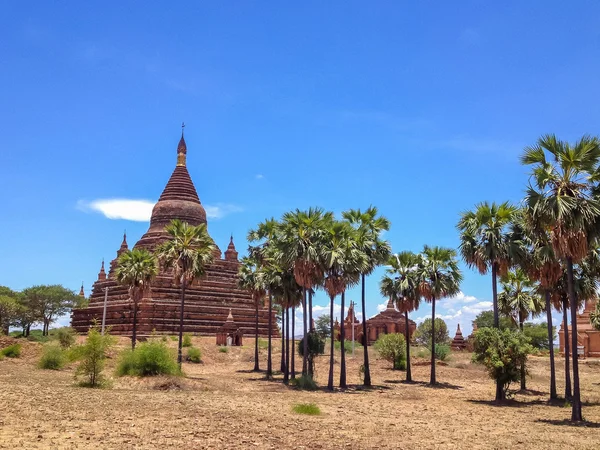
column 136, row 269
column 267, row 233
column 401, row 284
column 299, row 247
column 370, row 228
column 439, row 277
column 595, row 317
column 252, row 279
column 561, row 196
column 188, row 251
column 519, row 300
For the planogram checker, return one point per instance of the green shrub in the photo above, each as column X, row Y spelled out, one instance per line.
column 423, row 352
column 174, row 338
column 93, row 355
column 347, row 346
column 304, row 382
column 194, row 355
column 310, row 409
column 66, row 337
column 223, row 349
column 53, row 357
column 12, row 351
column 164, row 339
column 423, row 333
column 148, row 359
column 187, row 340
column 392, row 348
column 538, row 335
column 263, row 344
column 316, row 345
column 442, row 351
column 502, row 353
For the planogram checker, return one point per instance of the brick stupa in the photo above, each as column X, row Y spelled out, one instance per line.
column 208, row 300
column 458, row 343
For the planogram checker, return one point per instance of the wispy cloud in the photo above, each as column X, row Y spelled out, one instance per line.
column 259, row 176
column 138, row 210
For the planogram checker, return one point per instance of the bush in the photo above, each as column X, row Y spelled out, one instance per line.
column 263, row 344
column 223, row 349
column 392, row 348
column 148, row 359
column 187, row 340
column 347, row 346
column 316, row 345
column 423, row 333
column 310, row 409
column 174, row 338
column 501, row 352
column 66, row 337
column 304, row 382
column 93, row 355
column 12, row 351
column 53, row 357
column 442, row 351
column 538, row 334
column 194, row 355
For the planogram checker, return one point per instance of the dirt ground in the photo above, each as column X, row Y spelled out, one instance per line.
column 221, row 404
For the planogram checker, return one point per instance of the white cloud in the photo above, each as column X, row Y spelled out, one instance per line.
column 259, row 176
column 141, row 210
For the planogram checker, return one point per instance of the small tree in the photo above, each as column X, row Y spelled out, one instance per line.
column 485, row 319
column 93, row 356
column 392, row 348
column 423, row 333
column 595, row 317
column 322, row 327
column 8, row 312
column 502, row 353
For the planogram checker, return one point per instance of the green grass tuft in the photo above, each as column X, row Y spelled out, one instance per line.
column 194, row 355
column 12, row 351
column 304, row 382
column 148, row 359
column 53, row 357
column 223, row 349
column 309, row 409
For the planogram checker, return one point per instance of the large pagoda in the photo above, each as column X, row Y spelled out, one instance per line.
column 208, row 300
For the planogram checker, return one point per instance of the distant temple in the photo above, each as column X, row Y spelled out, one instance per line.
column 208, row 300
column 459, row 342
column 388, row 321
column 588, row 338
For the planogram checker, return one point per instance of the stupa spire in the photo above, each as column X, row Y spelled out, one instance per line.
column 181, row 148
column 81, row 293
column 102, row 273
column 231, row 253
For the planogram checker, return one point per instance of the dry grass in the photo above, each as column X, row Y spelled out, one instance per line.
column 222, row 404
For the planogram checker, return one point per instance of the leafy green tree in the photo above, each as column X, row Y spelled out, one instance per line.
column 485, row 319
column 595, row 317
column 401, row 284
column 391, row 347
column 252, row 279
column 538, row 335
column 322, row 326
column 502, row 352
column 439, row 277
column 562, row 199
column 136, row 269
column 370, row 227
column 423, row 333
column 188, row 251
column 8, row 312
column 49, row 302
column 519, row 300
column 93, row 357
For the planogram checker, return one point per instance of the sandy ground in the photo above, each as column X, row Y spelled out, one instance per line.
column 221, row 404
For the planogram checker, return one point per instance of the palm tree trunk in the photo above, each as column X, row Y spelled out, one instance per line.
column 311, row 325
column 286, row 372
column 343, row 384
column 134, row 331
column 256, row 363
column 269, row 350
column 331, row 344
column 407, row 336
column 367, row 381
column 495, row 295
column 180, row 344
column 576, row 415
column 568, row 392
column 432, row 379
column 304, row 335
column 523, row 381
column 293, row 356
column 553, row 394
column 283, row 330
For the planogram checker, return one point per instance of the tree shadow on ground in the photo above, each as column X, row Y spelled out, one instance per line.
column 425, row 384
column 508, row 403
column 568, row 423
column 530, row 392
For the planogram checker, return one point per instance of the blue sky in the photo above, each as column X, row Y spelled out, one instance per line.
column 420, row 108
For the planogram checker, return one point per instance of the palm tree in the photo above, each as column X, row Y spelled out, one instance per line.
column 253, row 280
column 136, row 269
column 561, row 198
column 595, row 317
column 439, row 277
column 188, row 251
column 370, row 227
column 401, row 284
column 519, row 300
column 299, row 248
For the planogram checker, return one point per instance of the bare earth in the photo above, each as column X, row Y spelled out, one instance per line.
column 221, row 404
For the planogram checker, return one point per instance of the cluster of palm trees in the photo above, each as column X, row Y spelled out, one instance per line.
column 307, row 250
column 546, row 248
column 186, row 254
column 430, row 275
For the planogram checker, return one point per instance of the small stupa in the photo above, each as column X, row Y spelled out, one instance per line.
column 458, row 343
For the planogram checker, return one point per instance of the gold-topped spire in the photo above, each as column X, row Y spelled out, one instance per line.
column 181, row 148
